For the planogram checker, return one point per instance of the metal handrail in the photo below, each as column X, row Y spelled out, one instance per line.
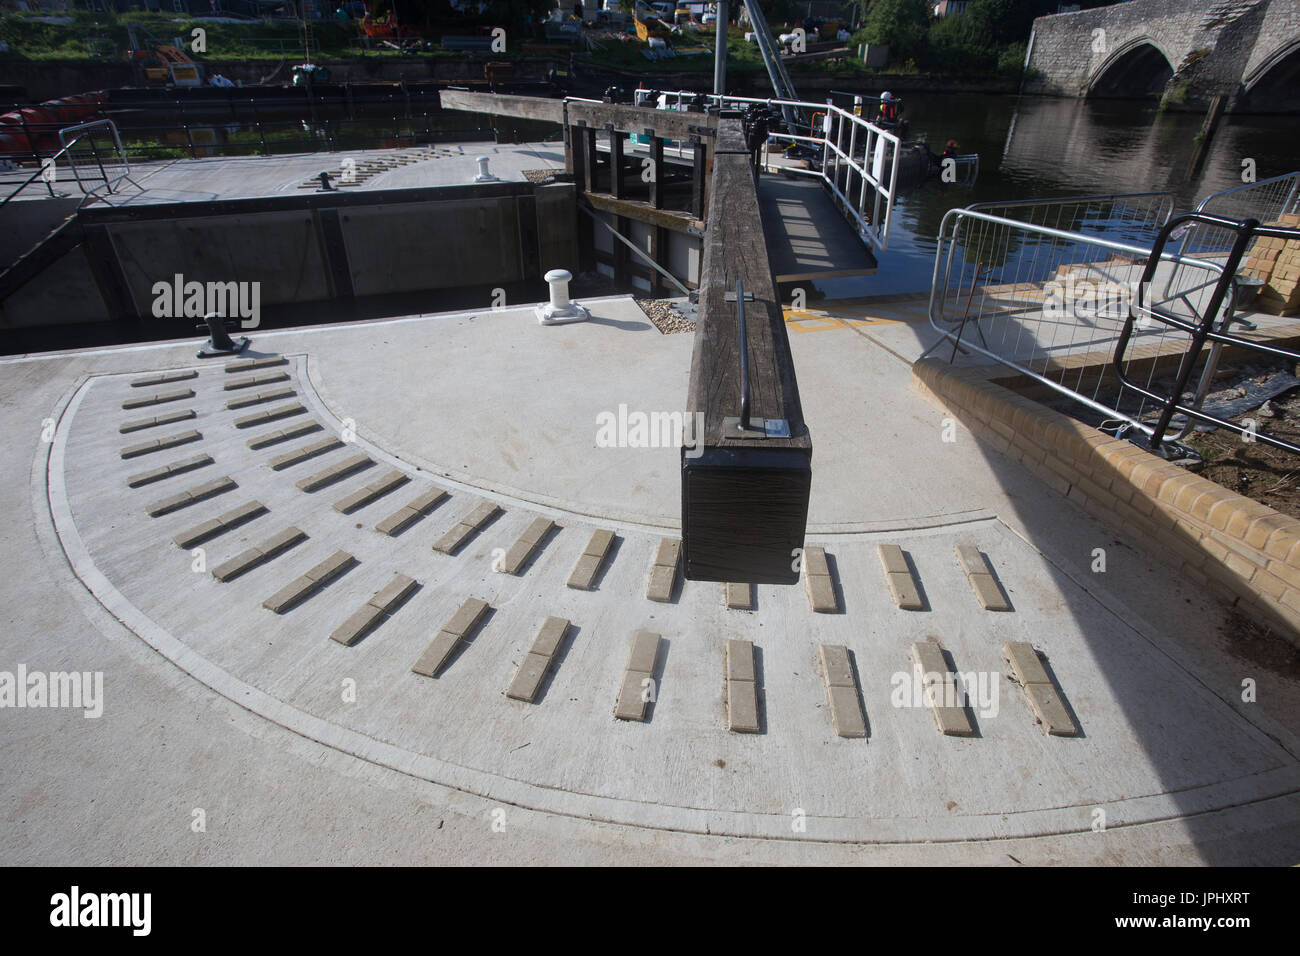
column 744, row 355
column 1203, row 331
column 873, row 229
column 45, row 164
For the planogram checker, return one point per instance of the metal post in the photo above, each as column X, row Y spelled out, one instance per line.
column 1245, row 233
column 720, row 53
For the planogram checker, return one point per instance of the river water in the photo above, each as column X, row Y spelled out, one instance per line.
column 1033, row 147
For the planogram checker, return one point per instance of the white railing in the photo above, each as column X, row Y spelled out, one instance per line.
column 859, row 160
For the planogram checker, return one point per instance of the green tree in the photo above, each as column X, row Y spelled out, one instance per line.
column 900, row 23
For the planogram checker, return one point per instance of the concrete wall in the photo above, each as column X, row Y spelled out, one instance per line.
column 305, row 249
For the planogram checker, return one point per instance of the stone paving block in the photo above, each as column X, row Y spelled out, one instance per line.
column 159, row 444
column 1025, row 662
column 271, row 415
column 436, row 654
column 982, row 579
column 283, row 434
column 461, row 624
column 1050, row 710
column 663, row 573
column 455, row 539
column 371, row 492
column 817, row 580
column 906, row 594
column 842, row 692
column 267, row 378
column 740, row 660
column 359, row 623
column 219, row 525
column 199, row 533
column 419, row 506
column 600, row 542
column 303, row 587
column 953, row 721
column 846, row 712
column 242, row 514
column 162, row 378
column 390, row 596
column 248, row 365
column 466, row 617
column 742, row 692
column 192, row 496
column 338, row 472
column 632, row 698
column 940, row 694
column 892, row 559
column 550, row 637
column 305, row 452
column 169, row 419
column 532, row 669
column 331, row 567
column 1043, row 697
column 739, row 596
column 246, row 560
column 930, row 662
column 168, row 471
column 158, row 398
column 260, row 398
column 538, row 660
column 398, row 521
column 415, row 509
column 742, row 707
column 519, row 553
column 427, row 501
column 836, row 667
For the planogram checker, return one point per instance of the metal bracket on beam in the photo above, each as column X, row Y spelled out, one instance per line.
column 758, row 428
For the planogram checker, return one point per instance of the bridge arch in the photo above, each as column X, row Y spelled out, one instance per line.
column 1274, row 85
column 1137, row 69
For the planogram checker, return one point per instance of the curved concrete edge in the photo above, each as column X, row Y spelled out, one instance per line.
column 1243, row 551
column 48, row 484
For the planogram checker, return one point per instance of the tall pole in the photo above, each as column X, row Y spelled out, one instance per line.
column 720, row 54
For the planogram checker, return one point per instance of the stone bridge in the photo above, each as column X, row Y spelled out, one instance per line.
column 1184, row 52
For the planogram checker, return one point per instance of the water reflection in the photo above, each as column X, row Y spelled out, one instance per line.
column 1036, row 147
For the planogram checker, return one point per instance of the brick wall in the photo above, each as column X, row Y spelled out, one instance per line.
column 1243, row 551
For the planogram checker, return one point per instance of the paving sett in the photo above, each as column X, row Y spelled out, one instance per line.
column 1135, row 757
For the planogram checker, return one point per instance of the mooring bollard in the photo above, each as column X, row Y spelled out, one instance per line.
column 483, row 175
column 325, row 186
column 561, row 308
column 219, row 341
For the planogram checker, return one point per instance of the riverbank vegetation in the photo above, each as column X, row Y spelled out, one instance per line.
column 988, row 37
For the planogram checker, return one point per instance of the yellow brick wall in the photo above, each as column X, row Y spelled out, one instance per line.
column 1241, row 550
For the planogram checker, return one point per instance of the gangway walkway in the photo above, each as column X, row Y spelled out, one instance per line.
column 807, row 237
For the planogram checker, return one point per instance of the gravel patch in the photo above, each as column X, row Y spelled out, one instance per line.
column 667, row 318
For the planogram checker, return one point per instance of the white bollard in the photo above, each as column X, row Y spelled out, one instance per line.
column 483, row 175
column 560, row 309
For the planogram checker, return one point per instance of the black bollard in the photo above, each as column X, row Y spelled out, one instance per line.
column 219, row 341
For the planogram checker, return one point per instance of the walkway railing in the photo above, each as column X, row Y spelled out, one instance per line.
column 857, row 160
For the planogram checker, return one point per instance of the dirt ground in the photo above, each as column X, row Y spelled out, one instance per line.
column 1269, row 475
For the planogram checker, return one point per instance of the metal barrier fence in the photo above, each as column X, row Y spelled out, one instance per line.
column 858, row 160
column 1128, row 216
column 1053, row 305
column 89, row 161
column 1203, row 330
